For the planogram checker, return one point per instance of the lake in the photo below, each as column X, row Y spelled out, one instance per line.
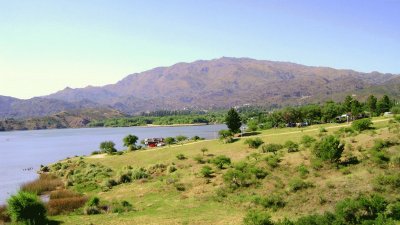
column 21, row 150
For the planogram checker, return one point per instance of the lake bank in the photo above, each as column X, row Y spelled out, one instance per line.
column 30, row 149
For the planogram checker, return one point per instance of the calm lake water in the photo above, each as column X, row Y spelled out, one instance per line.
column 20, row 150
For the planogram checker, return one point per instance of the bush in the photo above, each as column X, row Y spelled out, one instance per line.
column 180, row 187
column 226, row 136
column 329, row 148
column 171, row 169
column 181, row 156
column 221, row 161
column 181, row 138
column 362, row 124
column 107, row 147
column 57, row 206
column 271, row 148
column 297, row 185
column 26, row 208
column 243, row 175
column 121, row 207
column 140, row 173
column 254, row 143
column 125, row 177
column 111, row 183
column 303, row 170
column 273, row 201
column 291, row 146
column 307, row 141
column 380, row 144
column 257, row 218
column 169, row 140
column 206, row 171
column 272, row 161
column 199, row 159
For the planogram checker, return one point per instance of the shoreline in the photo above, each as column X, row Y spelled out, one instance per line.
column 141, row 126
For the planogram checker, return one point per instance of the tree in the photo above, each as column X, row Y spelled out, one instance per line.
column 204, row 150
column 181, row 138
column 252, row 125
column 169, row 140
column 130, row 141
column 356, row 108
column 233, row 121
column 329, row 148
column 383, row 105
column 371, row 104
column 348, row 103
column 220, row 161
column 107, row 147
column 26, row 208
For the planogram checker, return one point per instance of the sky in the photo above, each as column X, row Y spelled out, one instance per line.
column 47, row 45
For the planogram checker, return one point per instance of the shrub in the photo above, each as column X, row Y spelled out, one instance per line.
column 254, row 143
column 107, row 147
column 297, row 185
column 257, row 218
column 273, row 201
column 199, row 159
column 329, row 148
column 380, row 144
column 171, row 169
column 181, row 138
column 322, row 130
column 169, row 140
column 26, row 208
column 180, row 187
column 181, row 156
column 291, row 146
column 362, row 124
column 303, row 170
column 93, row 201
column 206, row 171
column 226, row 136
column 221, row 161
column 111, row 183
column 307, row 141
column 393, row 210
column 271, row 148
column 125, row 177
column 140, row 173
column 196, row 138
column 272, row 161
column 121, row 206
column 91, row 210
column 130, row 142
column 243, row 175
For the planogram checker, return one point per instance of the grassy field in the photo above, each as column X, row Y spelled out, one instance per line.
column 157, row 200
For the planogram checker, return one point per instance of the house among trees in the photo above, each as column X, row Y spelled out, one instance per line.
column 154, row 142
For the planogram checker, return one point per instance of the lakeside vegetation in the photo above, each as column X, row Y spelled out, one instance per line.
column 326, row 173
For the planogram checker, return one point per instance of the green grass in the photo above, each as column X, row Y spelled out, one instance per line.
column 156, row 200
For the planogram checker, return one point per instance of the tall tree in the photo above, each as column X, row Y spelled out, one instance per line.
column 356, row 108
column 233, row 121
column 384, row 104
column 130, row 141
column 347, row 103
column 371, row 104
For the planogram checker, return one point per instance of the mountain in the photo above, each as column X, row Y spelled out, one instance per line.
column 207, row 84
column 64, row 119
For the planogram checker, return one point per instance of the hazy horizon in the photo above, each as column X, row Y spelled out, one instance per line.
column 49, row 45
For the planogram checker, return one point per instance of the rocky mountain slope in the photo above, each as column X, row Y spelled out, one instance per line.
column 207, row 84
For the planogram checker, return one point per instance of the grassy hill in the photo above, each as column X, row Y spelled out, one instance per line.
column 295, row 184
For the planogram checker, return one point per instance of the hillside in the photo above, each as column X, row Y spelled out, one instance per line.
column 65, row 119
column 288, row 185
column 210, row 84
column 223, row 83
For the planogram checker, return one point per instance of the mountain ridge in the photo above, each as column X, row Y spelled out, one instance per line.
column 211, row 84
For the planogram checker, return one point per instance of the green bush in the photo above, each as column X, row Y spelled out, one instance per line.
column 257, row 218
column 125, row 177
column 181, row 138
column 271, row 148
column 272, row 161
column 169, row 140
column 199, row 159
column 362, row 124
column 298, row 184
column 221, row 161
column 291, row 146
column 180, row 187
column 226, row 136
column 121, row 207
column 140, row 173
column 111, row 183
column 254, row 143
column 107, row 147
column 329, row 148
column 243, row 175
column 181, row 156
column 273, row 201
column 303, row 170
column 206, row 171
column 26, row 208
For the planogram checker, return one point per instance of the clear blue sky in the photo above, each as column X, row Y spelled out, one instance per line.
column 46, row 45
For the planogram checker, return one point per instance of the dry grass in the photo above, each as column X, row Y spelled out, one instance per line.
column 4, row 217
column 45, row 183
